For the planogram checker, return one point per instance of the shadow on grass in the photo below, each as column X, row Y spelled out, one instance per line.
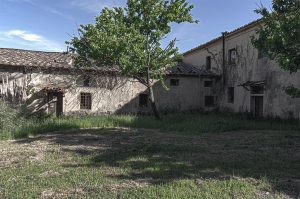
column 191, row 124
column 161, row 157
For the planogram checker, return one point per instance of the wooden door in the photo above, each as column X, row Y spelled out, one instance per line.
column 55, row 104
column 257, row 103
column 59, row 104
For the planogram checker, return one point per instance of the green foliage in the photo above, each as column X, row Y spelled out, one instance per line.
column 279, row 36
column 10, row 117
column 129, row 38
column 293, row 92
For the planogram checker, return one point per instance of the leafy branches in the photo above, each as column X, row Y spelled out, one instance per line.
column 129, row 39
column 279, row 36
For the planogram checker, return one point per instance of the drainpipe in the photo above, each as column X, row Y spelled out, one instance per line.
column 224, row 58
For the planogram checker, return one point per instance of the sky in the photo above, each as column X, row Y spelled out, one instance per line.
column 45, row 25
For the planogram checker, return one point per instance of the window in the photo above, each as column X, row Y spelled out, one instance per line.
column 86, row 101
column 143, row 100
column 209, row 101
column 232, row 56
column 1, row 79
column 261, row 54
column 230, row 93
column 87, row 82
column 174, row 82
column 208, row 84
column 257, row 89
column 208, row 63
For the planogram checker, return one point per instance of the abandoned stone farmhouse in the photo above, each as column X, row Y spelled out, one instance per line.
column 227, row 73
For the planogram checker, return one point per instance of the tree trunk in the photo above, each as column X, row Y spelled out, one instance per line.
column 151, row 95
column 152, row 102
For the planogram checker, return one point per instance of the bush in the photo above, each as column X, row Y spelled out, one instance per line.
column 11, row 117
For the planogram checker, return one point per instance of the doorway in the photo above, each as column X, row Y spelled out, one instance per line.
column 257, row 106
column 55, row 104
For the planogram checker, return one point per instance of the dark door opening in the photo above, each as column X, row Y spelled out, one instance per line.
column 257, row 106
column 55, row 103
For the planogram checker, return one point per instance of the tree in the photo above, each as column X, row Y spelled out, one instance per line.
column 279, row 36
column 130, row 38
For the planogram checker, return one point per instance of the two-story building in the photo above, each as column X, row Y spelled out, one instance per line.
column 250, row 81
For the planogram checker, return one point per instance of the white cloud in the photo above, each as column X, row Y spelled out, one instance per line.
column 26, row 39
column 95, row 6
column 21, row 1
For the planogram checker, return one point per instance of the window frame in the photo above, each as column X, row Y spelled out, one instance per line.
column 230, row 57
column 213, row 104
column 86, row 101
column 208, row 63
column 261, row 54
column 230, row 95
column 174, row 82
column 208, row 85
column 2, row 79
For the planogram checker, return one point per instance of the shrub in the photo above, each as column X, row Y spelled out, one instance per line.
column 11, row 117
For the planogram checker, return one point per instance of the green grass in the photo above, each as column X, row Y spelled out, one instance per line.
column 186, row 123
column 147, row 164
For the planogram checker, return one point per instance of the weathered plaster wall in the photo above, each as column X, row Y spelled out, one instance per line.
column 12, row 85
column 184, row 97
column 109, row 94
column 249, row 68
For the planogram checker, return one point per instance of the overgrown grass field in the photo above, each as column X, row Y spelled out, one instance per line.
column 184, row 123
column 115, row 163
column 213, row 155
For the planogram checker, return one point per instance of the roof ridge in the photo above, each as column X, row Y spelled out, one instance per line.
column 257, row 21
column 37, row 51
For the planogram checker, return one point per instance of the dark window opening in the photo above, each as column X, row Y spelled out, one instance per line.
column 261, row 54
column 209, row 101
column 174, row 82
column 230, row 93
column 232, row 56
column 143, row 100
column 257, row 89
column 86, row 101
column 208, row 63
column 87, row 82
column 208, row 84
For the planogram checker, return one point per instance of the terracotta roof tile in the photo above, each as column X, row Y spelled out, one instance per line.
column 17, row 57
column 183, row 69
column 43, row 60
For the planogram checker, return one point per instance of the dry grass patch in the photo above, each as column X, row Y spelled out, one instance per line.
column 127, row 163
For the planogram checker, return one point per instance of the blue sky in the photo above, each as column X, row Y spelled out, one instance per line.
column 47, row 24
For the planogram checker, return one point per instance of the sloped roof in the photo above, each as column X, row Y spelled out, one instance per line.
column 227, row 34
column 62, row 60
column 43, row 60
column 183, row 69
column 17, row 57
